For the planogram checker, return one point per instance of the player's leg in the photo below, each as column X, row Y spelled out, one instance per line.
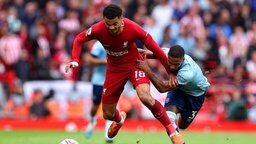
column 172, row 111
column 113, row 87
column 174, row 103
column 141, row 83
column 96, row 99
column 193, row 105
column 172, row 114
column 159, row 112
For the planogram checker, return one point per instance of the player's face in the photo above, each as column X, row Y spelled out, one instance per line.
column 174, row 63
column 114, row 26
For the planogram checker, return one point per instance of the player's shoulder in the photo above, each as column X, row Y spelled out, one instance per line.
column 187, row 64
column 188, row 60
column 187, row 57
column 96, row 28
column 130, row 23
column 99, row 23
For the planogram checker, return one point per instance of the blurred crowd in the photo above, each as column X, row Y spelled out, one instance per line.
column 36, row 41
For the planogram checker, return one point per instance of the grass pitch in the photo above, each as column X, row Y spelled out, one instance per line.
column 54, row 137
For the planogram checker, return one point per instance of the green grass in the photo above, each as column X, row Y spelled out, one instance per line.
column 54, row 137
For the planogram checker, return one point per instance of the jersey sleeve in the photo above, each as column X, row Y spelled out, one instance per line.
column 78, row 42
column 148, row 41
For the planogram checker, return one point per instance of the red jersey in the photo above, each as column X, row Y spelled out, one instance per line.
column 120, row 49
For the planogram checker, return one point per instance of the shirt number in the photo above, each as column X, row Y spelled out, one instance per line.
column 193, row 115
column 139, row 74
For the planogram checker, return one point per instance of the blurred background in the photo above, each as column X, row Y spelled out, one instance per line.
column 36, row 41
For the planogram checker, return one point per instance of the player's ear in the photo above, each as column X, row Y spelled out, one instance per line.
column 122, row 22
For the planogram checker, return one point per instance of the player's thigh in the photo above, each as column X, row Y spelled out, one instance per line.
column 175, row 101
column 172, row 108
column 113, row 87
column 186, row 118
column 141, row 83
column 182, row 124
column 193, row 105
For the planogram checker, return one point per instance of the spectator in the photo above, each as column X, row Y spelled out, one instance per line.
column 22, row 67
column 193, row 20
column 236, row 107
column 38, row 107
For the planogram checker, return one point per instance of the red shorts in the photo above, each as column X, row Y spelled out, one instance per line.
column 116, row 78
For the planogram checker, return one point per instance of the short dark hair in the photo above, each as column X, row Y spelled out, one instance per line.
column 112, row 11
column 176, row 51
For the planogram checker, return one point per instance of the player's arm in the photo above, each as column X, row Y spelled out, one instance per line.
column 161, row 86
column 146, row 53
column 155, row 49
column 148, row 41
column 149, row 54
column 173, row 82
column 76, row 50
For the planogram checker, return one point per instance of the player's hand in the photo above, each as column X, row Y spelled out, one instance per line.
column 70, row 65
column 173, row 81
column 142, row 64
column 146, row 53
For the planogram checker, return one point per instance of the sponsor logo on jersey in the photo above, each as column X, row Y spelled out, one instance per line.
column 121, row 53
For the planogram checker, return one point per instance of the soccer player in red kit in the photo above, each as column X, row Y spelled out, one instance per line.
column 118, row 36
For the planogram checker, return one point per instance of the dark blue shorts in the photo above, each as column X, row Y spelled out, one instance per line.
column 187, row 105
column 96, row 94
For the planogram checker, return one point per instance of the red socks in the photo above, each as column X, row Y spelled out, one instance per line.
column 117, row 118
column 160, row 114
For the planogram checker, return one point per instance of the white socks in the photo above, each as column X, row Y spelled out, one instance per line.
column 172, row 116
column 122, row 120
column 107, row 125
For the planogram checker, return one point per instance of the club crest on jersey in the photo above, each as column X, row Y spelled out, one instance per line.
column 125, row 44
